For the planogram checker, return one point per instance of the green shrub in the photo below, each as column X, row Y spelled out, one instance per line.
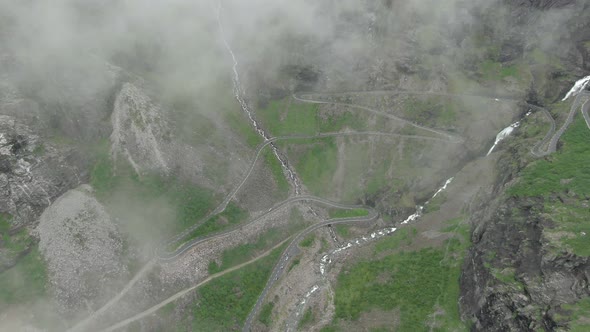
column 266, row 313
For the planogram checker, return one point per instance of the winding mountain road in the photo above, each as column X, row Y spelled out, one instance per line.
column 238, row 228
column 570, row 118
column 180, row 294
column 448, row 136
column 445, row 137
column 536, row 149
column 550, row 139
column 232, row 194
column 164, row 256
column 551, row 136
column 291, row 251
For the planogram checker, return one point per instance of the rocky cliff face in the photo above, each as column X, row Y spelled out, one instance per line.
column 514, row 278
column 33, row 172
column 43, row 128
column 520, row 274
column 139, row 131
column 511, row 281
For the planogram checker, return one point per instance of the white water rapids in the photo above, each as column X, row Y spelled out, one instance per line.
column 577, row 88
column 239, row 92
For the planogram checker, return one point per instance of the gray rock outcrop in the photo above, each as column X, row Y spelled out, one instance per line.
column 82, row 248
column 143, row 137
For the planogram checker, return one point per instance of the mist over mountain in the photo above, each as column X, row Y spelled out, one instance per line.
column 273, row 165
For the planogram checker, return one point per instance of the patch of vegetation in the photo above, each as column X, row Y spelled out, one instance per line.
column 401, row 236
column 378, row 180
column 230, row 217
column 539, row 57
column 317, row 165
column 285, row 117
column 459, row 83
column 307, row 318
column 572, row 226
column 4, row 223
column 329, row 328
column 354, row 164
column 325, row 245
column 322, row 164
column 134, row 326
column 308, row 241
column 15, row 243
column 24, row 282
column 295, row 217
column 102, row 177
column 434, row 111
column 242, row 126
column 296, row 262
column 338, row 121
column 380, row 329
column 167, row 310
column 225, row 302
column 39, row 150
column 565, row 174
column 342, row 230
column 419, row 284
column 576, row 315
column 18, row 242
column 457, row 226
column 193, row 203
column 277, row 171
column 496, row 71
column 435, row 203
column 189, row 202
column 243, row 253
column 348, row 213
column 507, row 276
column 190, row 121
column 534, row 128
column 565, row 171
column 266, row 313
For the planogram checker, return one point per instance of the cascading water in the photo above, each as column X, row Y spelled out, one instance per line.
column 327, row 258
column 441, row 189
column 503, row 134
column 238, row 93
column 578, row 87
column 420, row 208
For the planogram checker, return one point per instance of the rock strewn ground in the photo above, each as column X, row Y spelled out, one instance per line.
column 82, row 248
column 33, row 173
